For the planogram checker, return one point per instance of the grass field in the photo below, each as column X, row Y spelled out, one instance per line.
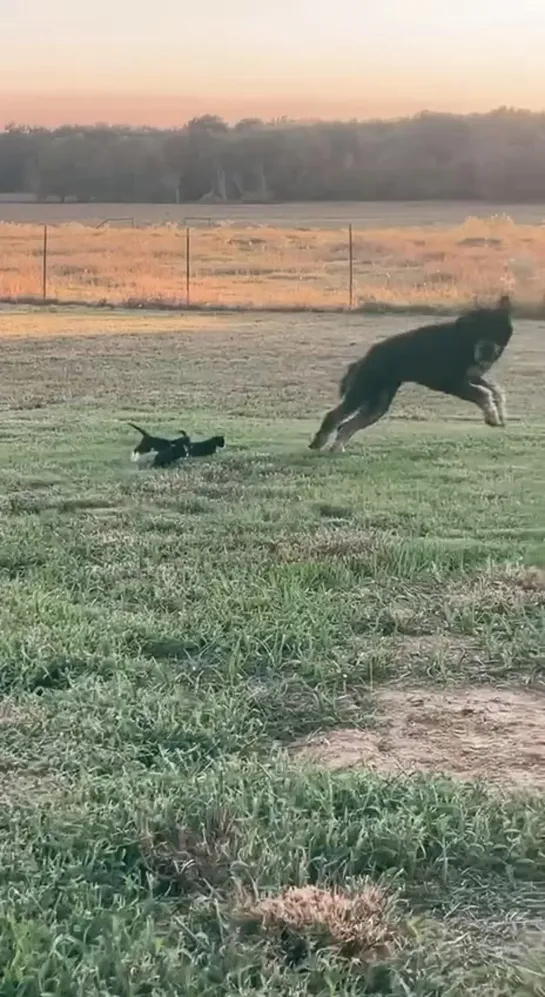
column 270, row 669
column 261, row 265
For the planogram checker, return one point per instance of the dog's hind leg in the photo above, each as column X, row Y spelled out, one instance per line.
column 367, row 414
column 482, row 396
column 498, row 394
column 330, row 423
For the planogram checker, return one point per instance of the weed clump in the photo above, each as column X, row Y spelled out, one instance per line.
column 359, row 926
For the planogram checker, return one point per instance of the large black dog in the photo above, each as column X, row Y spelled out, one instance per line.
column 451, row 357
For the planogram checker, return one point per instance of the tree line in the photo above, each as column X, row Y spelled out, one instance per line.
column 499, row 156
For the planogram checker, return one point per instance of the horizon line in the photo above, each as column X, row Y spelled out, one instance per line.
column 276, row 119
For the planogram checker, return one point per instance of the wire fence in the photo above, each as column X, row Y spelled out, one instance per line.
column 184, row 266
column 230, row 265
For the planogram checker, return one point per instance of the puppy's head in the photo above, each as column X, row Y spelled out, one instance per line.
column 143, row 448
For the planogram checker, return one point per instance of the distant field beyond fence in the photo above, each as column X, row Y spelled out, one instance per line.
column 260, row 265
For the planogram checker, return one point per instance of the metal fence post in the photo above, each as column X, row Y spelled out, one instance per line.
column 350, row 267
column 44, row 265
column 187, row 265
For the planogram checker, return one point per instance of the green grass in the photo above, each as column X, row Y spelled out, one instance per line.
column 166, row 636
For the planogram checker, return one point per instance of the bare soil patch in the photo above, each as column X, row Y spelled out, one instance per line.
column 470, row 733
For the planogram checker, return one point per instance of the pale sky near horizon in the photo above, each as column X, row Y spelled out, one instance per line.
column 161, row 63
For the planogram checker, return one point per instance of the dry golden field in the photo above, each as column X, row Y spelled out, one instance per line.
column 258, row 265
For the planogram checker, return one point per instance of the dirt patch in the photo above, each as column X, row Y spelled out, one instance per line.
column 476, row 733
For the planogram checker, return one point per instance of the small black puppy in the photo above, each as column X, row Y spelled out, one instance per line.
column 152, row 444
column 176, row 450
column 183, row 447
column 204, row 448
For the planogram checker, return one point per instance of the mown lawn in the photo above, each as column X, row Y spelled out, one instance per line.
column 166, row 638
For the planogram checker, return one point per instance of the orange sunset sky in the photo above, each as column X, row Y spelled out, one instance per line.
column 160, row 63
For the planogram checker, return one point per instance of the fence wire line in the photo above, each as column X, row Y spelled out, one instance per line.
column 192, row 265
column 264, row 266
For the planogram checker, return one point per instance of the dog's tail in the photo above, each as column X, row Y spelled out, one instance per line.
column 138, row 429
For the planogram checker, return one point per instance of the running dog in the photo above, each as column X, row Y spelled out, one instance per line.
column 451, row 357
column 205, row 448
column 150, row 445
